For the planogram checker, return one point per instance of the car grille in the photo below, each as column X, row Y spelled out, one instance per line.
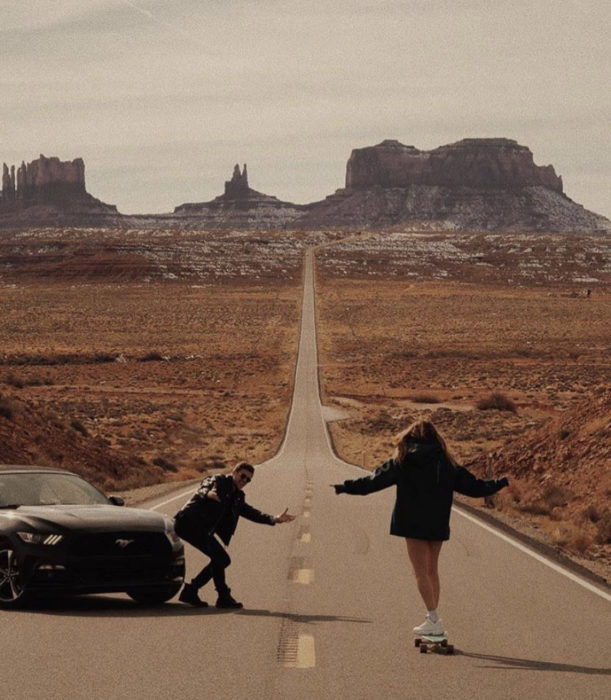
column 120, row 544
column 108, row 573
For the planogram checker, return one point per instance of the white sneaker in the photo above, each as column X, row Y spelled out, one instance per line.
column 428, row 627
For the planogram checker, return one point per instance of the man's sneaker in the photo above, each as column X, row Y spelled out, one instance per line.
column 227, row 601
column 189, row 595
column 428, row 627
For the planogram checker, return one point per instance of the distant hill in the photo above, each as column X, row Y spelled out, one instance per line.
column 50, row 192
column 474, row 184
column 239, row 207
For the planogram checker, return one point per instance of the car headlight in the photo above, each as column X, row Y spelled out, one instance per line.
column 40, row 538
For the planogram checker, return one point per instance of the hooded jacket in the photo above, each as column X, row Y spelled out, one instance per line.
column 425, row 487
column 206, row 516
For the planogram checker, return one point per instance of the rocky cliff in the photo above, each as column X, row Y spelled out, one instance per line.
column 476, row 163
column 487, row 184
column 239, row 207
column 476, row 184
column 50, row 190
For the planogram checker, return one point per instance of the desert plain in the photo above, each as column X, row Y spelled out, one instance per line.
column 146, row 356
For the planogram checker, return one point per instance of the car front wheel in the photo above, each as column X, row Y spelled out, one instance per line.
column 153, row 595
column 12, row 589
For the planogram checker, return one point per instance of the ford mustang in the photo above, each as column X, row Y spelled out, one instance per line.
column 60, row 535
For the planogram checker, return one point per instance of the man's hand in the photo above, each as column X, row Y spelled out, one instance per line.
column 285, row 517
column 213, row 494
column 339, row 488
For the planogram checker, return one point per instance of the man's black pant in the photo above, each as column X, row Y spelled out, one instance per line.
column 213, row 549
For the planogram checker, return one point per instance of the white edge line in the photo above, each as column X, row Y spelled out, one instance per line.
column 556, row 567
column 174, row 498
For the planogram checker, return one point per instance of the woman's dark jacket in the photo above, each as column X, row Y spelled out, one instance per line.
column 425, row 486
column 203, row 515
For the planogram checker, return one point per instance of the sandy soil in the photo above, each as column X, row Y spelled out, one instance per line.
column 398, row 344
column 147, row 356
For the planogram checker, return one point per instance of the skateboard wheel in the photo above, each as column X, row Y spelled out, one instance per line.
column 417, row 642
column 444, row 642
column 423, row 648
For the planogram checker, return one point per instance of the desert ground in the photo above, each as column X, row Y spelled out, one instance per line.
column 144, row 356
column 503, row 340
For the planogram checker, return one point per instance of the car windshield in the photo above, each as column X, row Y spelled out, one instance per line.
column 47, row 488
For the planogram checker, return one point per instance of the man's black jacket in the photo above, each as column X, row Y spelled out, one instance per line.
column 204, row 515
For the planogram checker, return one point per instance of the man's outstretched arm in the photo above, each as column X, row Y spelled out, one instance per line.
column 257, row 516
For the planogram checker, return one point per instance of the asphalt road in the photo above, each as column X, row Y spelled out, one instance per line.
column 329, row 605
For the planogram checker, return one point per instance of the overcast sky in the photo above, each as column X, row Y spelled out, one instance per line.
column 162, row 97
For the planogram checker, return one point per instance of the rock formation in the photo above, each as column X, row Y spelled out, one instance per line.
column 239, row 207
column 477, row 184
column 474, row 163
column 48, row 188
column 488, row 184
column 237, row 187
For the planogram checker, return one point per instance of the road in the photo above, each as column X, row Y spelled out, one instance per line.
column 329, row 604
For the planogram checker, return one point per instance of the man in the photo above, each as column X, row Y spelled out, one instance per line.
column 213, row 511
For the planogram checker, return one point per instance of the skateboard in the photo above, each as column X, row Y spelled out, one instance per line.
column 437, row 643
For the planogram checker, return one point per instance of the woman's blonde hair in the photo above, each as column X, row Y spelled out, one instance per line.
column 422, row 431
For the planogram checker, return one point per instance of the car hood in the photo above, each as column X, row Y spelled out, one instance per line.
column 92, row 517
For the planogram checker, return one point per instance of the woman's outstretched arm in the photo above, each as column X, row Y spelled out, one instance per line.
column 469, row 485
column 382, row 478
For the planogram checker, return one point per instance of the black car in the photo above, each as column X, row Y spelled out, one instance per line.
column 59, row 534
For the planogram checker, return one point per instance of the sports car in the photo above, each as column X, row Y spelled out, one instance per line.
column 61, row 535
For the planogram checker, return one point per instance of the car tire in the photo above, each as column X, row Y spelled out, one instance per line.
column 12, row 588
column 153, row 595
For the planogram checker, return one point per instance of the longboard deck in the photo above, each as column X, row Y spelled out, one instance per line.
column 437, row 643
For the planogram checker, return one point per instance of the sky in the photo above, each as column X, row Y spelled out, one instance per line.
column 161, row 98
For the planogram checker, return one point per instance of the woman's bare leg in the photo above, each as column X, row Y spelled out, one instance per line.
column 433, row 569
column 424, row 556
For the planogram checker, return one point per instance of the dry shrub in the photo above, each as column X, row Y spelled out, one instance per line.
column 79, row 427
column 152, row 356
column 537, row 507
column 603, row 528
column 12, row 380
column 165, row 464
column 572, row 537
column 426, row 398
column 496, row 401
column 592, row 514
column 6, row 409
column 556, row 496
column 514, row 492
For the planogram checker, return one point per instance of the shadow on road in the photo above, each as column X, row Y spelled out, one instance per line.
column 107, row 606
column 507, row 662
column 303, row 619
column 110, row 606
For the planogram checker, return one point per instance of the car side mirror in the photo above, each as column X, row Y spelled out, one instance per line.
column 116, row 500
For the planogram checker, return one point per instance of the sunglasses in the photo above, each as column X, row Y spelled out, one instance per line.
column 245, row 478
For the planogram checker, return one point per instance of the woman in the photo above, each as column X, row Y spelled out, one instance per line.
column 426, row 476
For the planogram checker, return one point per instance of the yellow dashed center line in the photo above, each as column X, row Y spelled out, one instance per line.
column 306, row 655
column 304, row 576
